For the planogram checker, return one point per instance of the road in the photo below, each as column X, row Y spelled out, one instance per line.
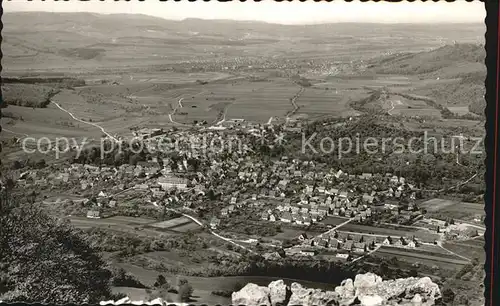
column 336, row 227
column 367, row 254
column 85, row 122
column 211, row 231
column 223, row 117
column 450, row 188
column 392, row 108
column 12, row 132
column 179, row 102
column 451, row 252
column 295, row 106
column 330, row 230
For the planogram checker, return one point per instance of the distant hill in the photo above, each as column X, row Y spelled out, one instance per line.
column 461, row 57
column 464, row 62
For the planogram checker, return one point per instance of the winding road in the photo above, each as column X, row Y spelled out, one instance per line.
column 180, row 105
column 12, row 132
column 85, row 122
column 392, row 108
column 294, row 104
column 211, row 231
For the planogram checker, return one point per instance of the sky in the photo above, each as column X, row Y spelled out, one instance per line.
column 275, row 12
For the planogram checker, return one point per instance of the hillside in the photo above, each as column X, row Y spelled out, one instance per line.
column 82, row 41
column 447, row 58
column 45, row 260
column 461, row 64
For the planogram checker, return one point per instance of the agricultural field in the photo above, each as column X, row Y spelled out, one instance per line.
column 51, row 122
column 423, row 235
column 473, row 248
column 120, row 225
column 439, row 208
column 290, row 233
column 333, row 220
column 426, row 257
column 181, row 224
column 28, row 95
column 265, row 100
column 434, row 205
column 172, row 222
column 320, row 102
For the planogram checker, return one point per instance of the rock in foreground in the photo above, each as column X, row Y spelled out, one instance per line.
column 366, row 290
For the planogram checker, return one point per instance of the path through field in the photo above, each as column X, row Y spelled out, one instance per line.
column 179, row 105
column 295, row 106
column 12, row 132
column 392, row 108
column 85, row 122
column 367, row 254
column 211, row 231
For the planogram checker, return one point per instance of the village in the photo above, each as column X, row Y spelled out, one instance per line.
column 352, row 215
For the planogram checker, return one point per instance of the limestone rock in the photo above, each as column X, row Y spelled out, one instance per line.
column 366, row 290
column 277, row 292
column 346, row 292
column 300, row 295
column 320, row 298
column 252, row 295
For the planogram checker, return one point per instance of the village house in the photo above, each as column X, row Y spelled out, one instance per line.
column 309, row 252
column 167, row 182
column 93, row 214
column 214, row 223
column 348, row 245
column 359, row 247
column 286, row 217
column 344, row 256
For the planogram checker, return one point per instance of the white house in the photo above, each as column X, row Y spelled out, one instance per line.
column 172, row 182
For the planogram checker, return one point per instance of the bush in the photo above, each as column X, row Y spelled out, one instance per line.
column 47, row 261
column 122, row 279
column 185, row 292
column 223, row 293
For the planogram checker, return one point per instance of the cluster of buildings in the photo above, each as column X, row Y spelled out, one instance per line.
column 347, row 246
column 285, row 189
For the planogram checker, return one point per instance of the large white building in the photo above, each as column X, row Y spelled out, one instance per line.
column 168, row 182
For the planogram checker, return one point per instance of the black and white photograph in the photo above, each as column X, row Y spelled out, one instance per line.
column 243, row 153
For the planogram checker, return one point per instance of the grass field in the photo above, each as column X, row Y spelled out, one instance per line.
column 172, row 222
column 426, row 257
column 473, row 248
column 292, row 232
column 320, row 102
column 333, row 220
column 453, row 209
column 425, row 236
column 118, row 224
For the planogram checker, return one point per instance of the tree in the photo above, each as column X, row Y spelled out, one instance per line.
column 181, row 282
column 17, row 165
column 160, row 281
column 185, row 292
column 40, row 164
column 47, row 261
column 413, row 272
column 448, row 295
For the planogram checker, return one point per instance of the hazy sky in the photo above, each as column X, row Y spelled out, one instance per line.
column 270, row 11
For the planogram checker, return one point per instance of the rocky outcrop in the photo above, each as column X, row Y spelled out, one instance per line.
column 366, row 290
column 278, row 293
column 252, row 295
